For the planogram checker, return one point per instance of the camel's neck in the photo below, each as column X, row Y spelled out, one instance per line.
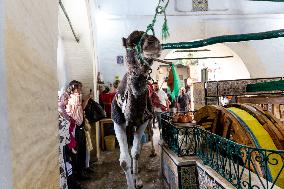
column 136, row 76
column 137, row 84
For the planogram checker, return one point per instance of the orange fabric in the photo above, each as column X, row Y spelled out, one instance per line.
column 170, row 81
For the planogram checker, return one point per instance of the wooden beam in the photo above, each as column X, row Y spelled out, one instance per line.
column 163, row 61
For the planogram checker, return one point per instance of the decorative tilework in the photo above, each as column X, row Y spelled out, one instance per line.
column 233, row 87
column 199, row 5
column 212, row 88
column 188, row 177
column 237, row 87
column 199, row 95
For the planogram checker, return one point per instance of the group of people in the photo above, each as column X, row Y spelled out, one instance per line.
column 74, row 137
column 74, row 129
column 163, row 101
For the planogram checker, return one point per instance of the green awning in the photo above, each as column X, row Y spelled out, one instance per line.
column 266, row 86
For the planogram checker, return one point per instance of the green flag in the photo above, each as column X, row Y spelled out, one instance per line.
column 173, row 82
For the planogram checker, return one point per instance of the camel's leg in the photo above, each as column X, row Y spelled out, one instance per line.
column 135, row 153
column 151, row 133
column 125, row 160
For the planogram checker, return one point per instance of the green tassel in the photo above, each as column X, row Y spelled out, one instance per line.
column 165, row 30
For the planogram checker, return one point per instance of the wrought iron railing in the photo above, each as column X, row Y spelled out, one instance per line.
column 242, row 166
column 179, row 140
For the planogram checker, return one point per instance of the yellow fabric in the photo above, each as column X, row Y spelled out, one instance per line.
column 87, row 128
column 89, row 144
column 264, row 140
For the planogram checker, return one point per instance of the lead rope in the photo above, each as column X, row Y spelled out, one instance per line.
column 165, row 30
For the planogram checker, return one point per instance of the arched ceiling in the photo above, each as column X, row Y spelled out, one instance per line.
column 226, row 64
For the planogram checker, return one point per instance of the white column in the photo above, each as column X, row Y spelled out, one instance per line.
column 28, row 102
column 5, row 159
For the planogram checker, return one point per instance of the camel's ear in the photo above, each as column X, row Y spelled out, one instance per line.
column 124, row 42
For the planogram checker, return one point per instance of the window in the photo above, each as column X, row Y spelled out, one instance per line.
column 199, row 5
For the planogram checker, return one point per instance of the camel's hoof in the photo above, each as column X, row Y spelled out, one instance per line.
column 139, row 184
column 123, row 164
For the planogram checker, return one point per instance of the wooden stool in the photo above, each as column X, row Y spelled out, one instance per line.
column 102, row 123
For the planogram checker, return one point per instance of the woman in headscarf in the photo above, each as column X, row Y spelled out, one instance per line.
column 74, row 109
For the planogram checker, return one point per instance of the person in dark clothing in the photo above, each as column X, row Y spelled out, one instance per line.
column 81, row 151
column 183, row 101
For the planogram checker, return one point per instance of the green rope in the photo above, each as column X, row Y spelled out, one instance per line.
column 165, row 29
column 225, row 38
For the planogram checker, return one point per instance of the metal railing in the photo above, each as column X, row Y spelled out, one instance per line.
column 179, row 140
column 242, row 166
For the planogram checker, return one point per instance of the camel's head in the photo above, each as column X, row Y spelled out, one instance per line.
column 139, row 66
column 150, row 45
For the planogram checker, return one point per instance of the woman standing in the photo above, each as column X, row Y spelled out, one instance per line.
column 75, row 111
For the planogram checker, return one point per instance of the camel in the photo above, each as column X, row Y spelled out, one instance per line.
column 131, row 106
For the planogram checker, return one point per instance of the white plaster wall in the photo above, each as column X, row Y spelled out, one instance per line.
column 77, row 57
column 30, row 94
column 5, row 158
column 262, row 58
column 61, row 66
column 91, row 6
column 146, row 7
